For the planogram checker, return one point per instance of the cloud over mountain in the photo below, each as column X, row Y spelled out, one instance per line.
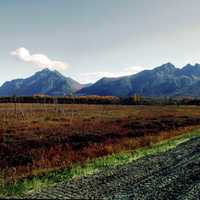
column 40, row 60
column 94, row 76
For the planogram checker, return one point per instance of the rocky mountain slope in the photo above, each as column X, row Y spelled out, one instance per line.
column 43, row 82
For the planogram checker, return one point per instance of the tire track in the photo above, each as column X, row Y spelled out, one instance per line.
column 193, row 193
column 171, row 175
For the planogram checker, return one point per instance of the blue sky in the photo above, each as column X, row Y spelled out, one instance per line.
column 96, row 38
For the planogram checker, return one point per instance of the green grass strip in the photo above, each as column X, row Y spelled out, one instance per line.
column 90, row 167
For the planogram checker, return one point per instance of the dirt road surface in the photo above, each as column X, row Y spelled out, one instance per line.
column 172, row 175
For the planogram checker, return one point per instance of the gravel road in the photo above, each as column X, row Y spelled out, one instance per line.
column 172, row 175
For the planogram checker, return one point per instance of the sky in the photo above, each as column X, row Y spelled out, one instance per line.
column 90, row 39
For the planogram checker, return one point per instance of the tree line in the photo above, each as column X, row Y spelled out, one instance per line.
column 132, row 100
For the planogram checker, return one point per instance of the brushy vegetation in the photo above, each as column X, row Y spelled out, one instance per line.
column 38, row 138
column 91, row 166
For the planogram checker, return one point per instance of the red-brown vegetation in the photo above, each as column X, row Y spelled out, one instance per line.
column 35, row 138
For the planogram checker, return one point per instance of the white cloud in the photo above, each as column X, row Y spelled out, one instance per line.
column 39, row 60
column 133, row 70
column 94, row 76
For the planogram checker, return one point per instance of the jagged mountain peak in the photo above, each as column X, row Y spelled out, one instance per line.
column 46, row 81
column 47, row 71
column 166, row 67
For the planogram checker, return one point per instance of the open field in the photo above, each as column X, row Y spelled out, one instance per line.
column 174, row 174
column 39, row 138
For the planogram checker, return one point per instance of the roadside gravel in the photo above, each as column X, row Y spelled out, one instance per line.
column 171, row 175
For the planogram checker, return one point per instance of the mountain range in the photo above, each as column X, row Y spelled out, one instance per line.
column 165, row 80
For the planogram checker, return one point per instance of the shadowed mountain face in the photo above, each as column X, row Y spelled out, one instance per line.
column 166, row 80
column 43, row 82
